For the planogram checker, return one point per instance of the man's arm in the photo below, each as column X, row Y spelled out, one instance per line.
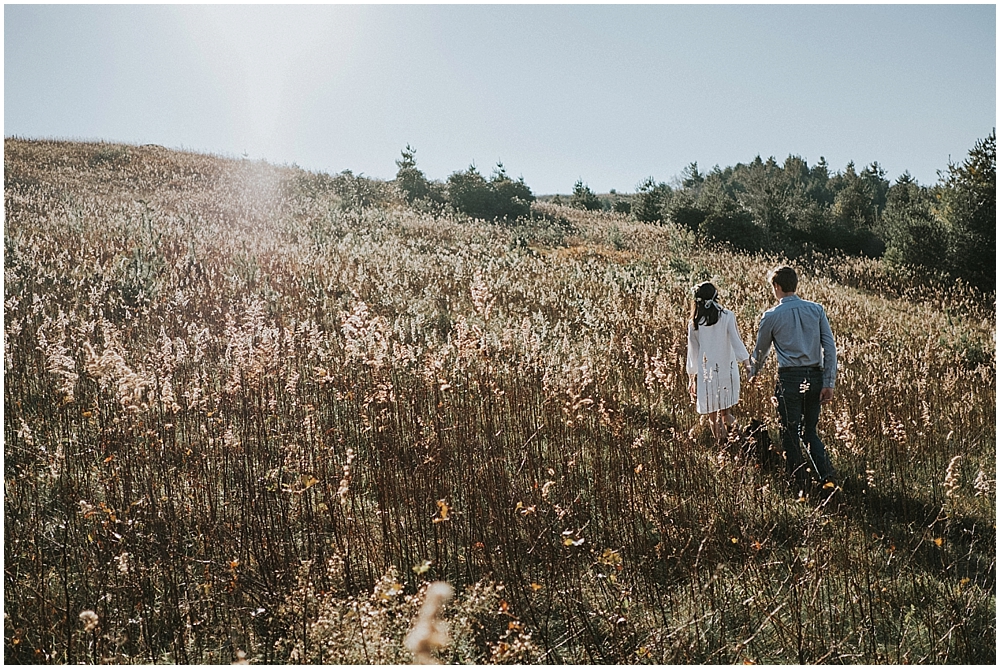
column 762, row 348
column 829, row 359
column 829, row 351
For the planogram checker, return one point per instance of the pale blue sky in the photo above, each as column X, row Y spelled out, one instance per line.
column 609, row 94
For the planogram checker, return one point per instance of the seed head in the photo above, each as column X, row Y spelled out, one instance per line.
column 953, row 477
column 90, row 620
column 428, row 632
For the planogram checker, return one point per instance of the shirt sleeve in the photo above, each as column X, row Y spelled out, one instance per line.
column 693, row 350
column 763, row 347
column 829, row 351
column 739, row 348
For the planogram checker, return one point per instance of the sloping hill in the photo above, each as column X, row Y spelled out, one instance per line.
column 252, row 409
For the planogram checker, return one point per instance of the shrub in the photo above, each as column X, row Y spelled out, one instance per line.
column 358, row 192
column 682, row 211
column 621, row 206
column 498, row 198
column 733, row 225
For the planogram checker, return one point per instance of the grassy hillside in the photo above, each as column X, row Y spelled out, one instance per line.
column 246, row 418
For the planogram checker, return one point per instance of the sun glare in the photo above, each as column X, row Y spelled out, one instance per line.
column 265, row 57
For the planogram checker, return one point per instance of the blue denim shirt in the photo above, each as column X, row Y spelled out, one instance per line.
column 801, row 335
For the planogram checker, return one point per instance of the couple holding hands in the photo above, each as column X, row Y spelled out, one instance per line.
column 807, row 368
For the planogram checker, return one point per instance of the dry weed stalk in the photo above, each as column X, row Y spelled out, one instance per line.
column 429, row 632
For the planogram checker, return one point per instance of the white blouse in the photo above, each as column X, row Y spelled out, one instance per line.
column 714, row 354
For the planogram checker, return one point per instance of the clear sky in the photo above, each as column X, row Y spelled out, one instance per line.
column 609, row 94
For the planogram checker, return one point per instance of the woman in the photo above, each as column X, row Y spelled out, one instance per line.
column 714, row 351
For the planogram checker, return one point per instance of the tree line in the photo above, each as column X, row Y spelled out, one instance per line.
column 947, row 229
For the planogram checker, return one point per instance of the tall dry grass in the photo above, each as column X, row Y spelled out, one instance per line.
column 245, row 420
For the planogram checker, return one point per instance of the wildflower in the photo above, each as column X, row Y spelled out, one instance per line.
column 24, row 432
column 90, row 620
column 925, row 415
column 895, row 430
column 610, row 558
column 525, row 510
column 345, row 483
column 657, row 371
column 443, row 509
column 122, row 561
column 388, row 586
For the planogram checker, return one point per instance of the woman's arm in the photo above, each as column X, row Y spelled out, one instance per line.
column 739, row 348
column 694, row 350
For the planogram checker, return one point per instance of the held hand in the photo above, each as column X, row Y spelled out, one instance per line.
column 826, row 396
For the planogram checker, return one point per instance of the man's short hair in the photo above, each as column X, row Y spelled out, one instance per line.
column 785, row 277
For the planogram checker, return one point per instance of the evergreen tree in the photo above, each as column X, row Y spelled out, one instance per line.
column 470, row 193
column 852, row 204
column 511, row 199
column 722, row 218
column 969, row 210
column 650, row 197
column 691, row 178
column 683, row 210
column 912, row 234
column 818, row 188
column 878, row 186
column 584, row 198
column 763, row 193
column 410, row 180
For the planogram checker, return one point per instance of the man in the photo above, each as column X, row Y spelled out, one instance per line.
column 807, row 370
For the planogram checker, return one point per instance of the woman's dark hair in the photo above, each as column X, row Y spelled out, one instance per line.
column 705, row 310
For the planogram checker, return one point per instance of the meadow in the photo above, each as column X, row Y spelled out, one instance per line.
column 247, row 418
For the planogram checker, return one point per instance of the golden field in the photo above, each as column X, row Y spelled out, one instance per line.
column 248, row 418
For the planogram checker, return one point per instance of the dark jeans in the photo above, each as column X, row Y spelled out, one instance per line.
column 797, row 392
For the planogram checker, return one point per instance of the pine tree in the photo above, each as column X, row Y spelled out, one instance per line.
column 969, row 210
column 584, row 198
